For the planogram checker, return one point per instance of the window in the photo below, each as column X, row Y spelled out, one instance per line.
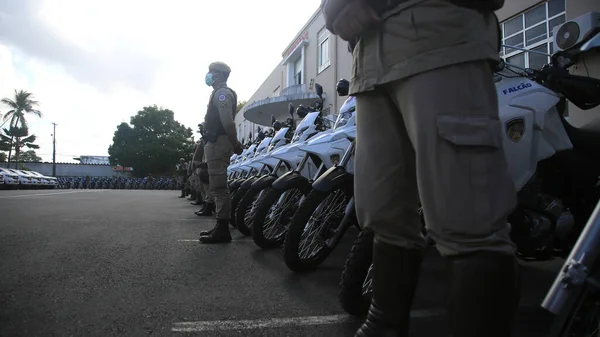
column 298, row 71
column 323, row 50
column 532, row 30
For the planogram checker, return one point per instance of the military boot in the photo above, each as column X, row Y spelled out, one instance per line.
column 192, row 195
column 485, row 294
column 219, row 234
column 198, row 200
column 208, row 209
column 395, row 274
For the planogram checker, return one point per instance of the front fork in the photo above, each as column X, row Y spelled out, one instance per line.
column 577, row 268
column 348, row 220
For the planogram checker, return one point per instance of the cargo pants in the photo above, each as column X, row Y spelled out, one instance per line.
column 217, row 157
column 438, row 140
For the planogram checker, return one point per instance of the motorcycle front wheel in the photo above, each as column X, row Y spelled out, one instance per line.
column 235, row 200
column 310, row 237
column 246, row 209
column 274, row 211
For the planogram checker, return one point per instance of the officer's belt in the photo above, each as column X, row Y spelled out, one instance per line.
column 211, row 136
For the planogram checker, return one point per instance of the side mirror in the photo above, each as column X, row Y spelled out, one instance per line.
column 319, row 90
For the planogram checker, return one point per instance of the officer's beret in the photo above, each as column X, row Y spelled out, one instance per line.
column 219, row 66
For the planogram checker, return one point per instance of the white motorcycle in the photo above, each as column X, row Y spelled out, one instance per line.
column 250, row 188
column 277, row 204
column 555, row 168
column 320, row 222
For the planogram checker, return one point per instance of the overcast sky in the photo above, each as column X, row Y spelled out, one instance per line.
column 93, row 64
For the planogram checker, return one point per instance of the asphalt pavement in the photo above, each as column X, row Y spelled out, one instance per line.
column 128, row 263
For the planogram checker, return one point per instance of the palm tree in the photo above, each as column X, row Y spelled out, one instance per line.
column 23, row 139
column 22, row 103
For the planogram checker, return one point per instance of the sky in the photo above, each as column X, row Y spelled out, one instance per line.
column 93, row 64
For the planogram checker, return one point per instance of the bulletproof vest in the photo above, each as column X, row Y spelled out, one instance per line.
column 212, row 120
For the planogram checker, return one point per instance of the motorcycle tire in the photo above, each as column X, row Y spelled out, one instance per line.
column 332, row 205
column 235, row 200
column 243, row 219
column 351, row 294
column 261, row 236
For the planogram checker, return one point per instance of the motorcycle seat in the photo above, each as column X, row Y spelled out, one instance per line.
column 585, row 138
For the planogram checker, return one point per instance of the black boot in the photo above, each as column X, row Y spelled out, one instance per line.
column 192, row 195
column 485, row 294
column 395, row 274
column 198, row 200
column 207, row 210
column 219, row 234
column 182, row 194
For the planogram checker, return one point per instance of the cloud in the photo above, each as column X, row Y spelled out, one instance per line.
column 23, row 26
column 93, row 64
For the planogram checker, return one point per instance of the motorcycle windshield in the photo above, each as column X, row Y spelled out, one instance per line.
column 309, row 120
column 346, row 112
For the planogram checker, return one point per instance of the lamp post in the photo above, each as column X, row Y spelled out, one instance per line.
column 54, row 151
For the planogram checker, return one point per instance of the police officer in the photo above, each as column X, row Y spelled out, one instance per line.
column 428, row 130
column 181, row 176
column 203, row 187
column 221, row 137
column 208, row 204
column 194, row 177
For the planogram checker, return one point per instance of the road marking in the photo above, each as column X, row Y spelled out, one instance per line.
column 282, row 322
column 40, row 194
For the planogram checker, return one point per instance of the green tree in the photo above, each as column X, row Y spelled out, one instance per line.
column 21, row 138
column 29, row 157
column 2, row 157
column 240, row 105
column 21, row 104
column 152, row 143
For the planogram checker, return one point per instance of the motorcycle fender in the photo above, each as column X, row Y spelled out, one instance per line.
column 332, row 178
column 263, row 182
column 292, row 178
column 247, row 183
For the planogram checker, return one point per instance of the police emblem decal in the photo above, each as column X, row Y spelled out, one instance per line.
column 515, row 128
column 222, row 97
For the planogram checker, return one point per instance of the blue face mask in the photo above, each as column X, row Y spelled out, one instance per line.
column 209, row 80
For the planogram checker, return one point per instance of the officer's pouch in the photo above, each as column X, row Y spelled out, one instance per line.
column 211, row 137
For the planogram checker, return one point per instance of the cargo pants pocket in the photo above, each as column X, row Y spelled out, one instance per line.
column 471, row 163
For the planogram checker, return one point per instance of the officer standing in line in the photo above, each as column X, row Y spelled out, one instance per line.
column 208, row 204
column 221, row 137
column 444, row 150
column 181, row 176
column 194, row 177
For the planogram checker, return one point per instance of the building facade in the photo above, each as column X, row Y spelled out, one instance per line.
column 316, row 56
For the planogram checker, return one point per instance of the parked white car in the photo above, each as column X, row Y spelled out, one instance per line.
column 48, row 182
column 8, row 179
column 27, row 180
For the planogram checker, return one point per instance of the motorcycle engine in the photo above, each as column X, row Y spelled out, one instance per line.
column 537, row 231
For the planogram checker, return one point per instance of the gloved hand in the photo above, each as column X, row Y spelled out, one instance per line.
column 238, row 148
column 351, row 20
